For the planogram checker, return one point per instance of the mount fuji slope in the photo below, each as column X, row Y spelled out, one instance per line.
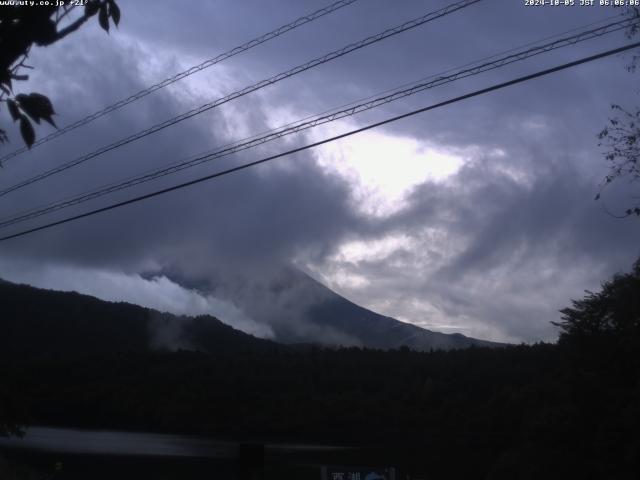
column 300, row 309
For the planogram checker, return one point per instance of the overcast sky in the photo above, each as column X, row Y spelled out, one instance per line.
column 476, row 218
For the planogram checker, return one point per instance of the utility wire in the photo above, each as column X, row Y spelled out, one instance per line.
column 221, row 151
column 186, row 73
column 327, row 140
column 322, row 119
column 245, row 91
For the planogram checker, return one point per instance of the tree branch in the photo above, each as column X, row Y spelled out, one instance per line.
column 72, row 27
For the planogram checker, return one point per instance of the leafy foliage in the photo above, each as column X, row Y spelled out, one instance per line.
column 614, row 312
column 621, row 137
column 21, row 27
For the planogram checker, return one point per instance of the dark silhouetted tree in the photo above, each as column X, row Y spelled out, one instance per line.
column 621, row 137
column 21, row 27
column 614, row 311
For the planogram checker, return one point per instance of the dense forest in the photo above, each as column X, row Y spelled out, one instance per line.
column 569, row 410
column 39, row 323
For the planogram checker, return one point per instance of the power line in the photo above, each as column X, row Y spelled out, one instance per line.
column 245, row 91
column 186, row 73
column 327, row 140
column 321, row 119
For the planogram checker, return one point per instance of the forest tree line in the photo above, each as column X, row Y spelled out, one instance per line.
column 528, row 410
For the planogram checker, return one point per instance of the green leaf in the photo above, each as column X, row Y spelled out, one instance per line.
column 114, row 11
column 13, row 110
column 45, row 32
column 103, row 18
column 28, row 107
column 5, row 81
column 42, row 103
column 91, row 8
column 37, row 106
column 27, row 132
column 50, row 121
column 46, row 105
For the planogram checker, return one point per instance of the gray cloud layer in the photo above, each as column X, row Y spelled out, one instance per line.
column 492, row 251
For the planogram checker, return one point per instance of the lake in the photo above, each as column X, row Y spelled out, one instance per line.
column 66, row 453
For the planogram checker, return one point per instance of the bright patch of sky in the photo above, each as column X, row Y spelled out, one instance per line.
column 383, row 168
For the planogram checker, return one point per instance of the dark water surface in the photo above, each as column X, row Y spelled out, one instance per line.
column 67, row 440
column 46, row 453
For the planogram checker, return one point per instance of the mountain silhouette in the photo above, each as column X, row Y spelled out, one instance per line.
column 40, row 323
column 299, row 309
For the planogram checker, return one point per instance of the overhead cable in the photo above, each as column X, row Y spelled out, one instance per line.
column 247, row 90
column 434, row 81
column 185, row 73
column 325, row 141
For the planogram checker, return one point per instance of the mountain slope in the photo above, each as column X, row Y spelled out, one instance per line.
column 300, row 309
column 37, row 322
column 378, row 331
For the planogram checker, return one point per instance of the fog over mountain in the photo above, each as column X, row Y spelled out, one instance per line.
column 287, row 306
column 477, row 218
column 42, row 322
column 38, row 323
column 299, row 309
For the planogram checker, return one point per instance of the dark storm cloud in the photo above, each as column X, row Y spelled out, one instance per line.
column 512, row 251
column 496, row 249
column 260, row 213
